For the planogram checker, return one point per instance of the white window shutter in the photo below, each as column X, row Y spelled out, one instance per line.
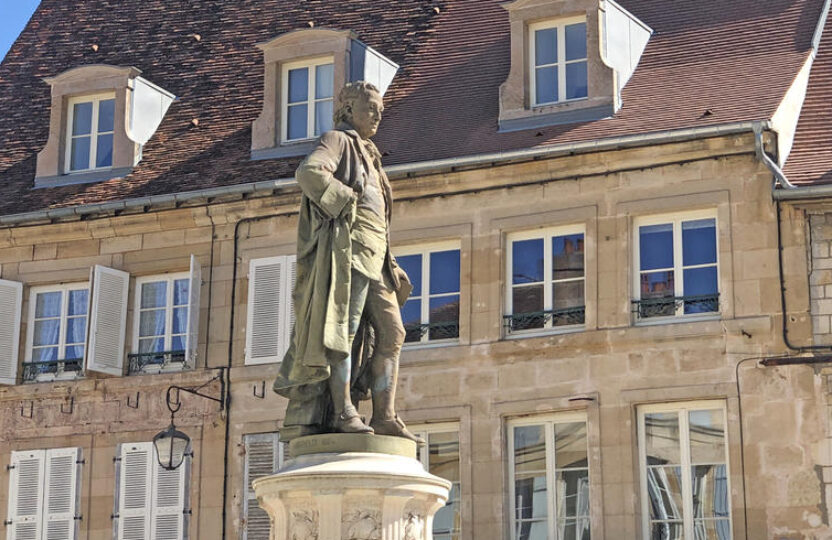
column 26, row 495
column 191, row 341
column 107, row 321
column 11, row 302
column 266, row 301
column 62, row 493
column 291, row 276
column 169, row 501
column 264, row 455
column 135, row 479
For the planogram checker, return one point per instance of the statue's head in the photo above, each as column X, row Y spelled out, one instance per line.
column 360, row 105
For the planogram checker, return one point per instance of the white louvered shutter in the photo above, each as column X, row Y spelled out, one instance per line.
column 135, row 476
column 265, row 310
column 108, row 321
column 191, row 341
column 62, row 492
column 291, row 276
column 11, row 301
column 264, row 455
column 169, row 498
column 26, row 495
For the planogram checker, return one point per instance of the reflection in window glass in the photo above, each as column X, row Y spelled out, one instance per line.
column 431, row 312
column 441, row 457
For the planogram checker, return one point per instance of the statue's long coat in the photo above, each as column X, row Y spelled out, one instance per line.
column 328, row 178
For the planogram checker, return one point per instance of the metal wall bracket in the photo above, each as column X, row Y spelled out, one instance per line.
column 134, row 404
column 71, row 408
column 31, row 410
column 262, row 393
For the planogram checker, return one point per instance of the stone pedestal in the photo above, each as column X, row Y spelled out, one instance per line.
column 352, row 487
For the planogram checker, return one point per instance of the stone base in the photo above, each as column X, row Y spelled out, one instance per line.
column 351, row 495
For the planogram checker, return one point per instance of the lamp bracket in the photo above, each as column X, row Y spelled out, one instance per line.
column 174, row 403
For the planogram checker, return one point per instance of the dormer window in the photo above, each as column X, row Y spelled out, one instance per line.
column 559, row 61
column 90, row 133
column 308, row 89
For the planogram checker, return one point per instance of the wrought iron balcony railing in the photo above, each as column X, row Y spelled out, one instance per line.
column 414, row 333
column 544, row 319
column 53, row 369
column 139, row 362
column 671, row 306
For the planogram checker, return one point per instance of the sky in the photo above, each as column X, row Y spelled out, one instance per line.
column 14, row 14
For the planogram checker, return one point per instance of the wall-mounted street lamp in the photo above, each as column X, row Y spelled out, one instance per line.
column 171, row 444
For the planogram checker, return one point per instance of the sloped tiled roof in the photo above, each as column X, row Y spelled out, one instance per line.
column 734, row 61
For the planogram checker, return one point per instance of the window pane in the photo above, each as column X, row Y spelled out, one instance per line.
column 527, row 261
column 82, row 118
column 80, row 156
column 154, row 294
column 444, row 272
column 667, row 531
column 570, row 445
column 412, row 264
column 323, row 117
column 527, row 299
column 575, row 41
column 106, row 115
column 443, row 455
column 152, row 323
column 444, row 309
column 707, row 436
column 151, row 345
column 532, row 530
column 48, row 305
column 661, row 438
column 529, row 449
column 177, row 343
column 572, row 489
column 710, row 491
column 719, row 529
column 180, row 320
column 298, row 85
column 568, row 294
column 297, row 122
column 46, row 332
column 104, row 151
column 574, row 528
column 74, row 352
column 546, row 85
column 699, row 242
column 656, row 246
column 412, row 319
column 664, row 484
column 78, row 302
column 568, row 256
column 76, row 330
column 324, row 81
column 530, row 497
column 576, row 81
column 546, row 46
column 47, row 354
column 180, row 292
column 657, row 285
column 701, row 282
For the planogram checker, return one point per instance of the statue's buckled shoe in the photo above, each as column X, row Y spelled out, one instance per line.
column 350, row 423
column 396, row 428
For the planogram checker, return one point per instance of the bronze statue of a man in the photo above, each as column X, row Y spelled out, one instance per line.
column 348, row 330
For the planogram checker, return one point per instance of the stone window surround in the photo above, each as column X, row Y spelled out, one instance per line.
column 516, row 104
column 291, row 47
column 79, row 82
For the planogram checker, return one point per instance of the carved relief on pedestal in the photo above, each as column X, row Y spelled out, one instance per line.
column 303, row 524
column 361, row 525
column 414, row 526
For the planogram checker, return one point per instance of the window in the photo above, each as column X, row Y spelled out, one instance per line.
column 440, row 456
column 44, row 491
column 150, row 502
column 166, row 320
column 264, row 456
column 558, row 61
column 271, row 314
column 90, row 128
column 549, row 478
column 684, row 471
column 546, row 288
column 432, row 311
column 677, row 266
column 308, row 89
column 57, row 332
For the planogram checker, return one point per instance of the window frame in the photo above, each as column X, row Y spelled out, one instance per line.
column 675, row 219
column 548, row 421
column 681, row 408
column 285, row 68
column 425, row 250
column 543, row 233
column 561, row 64
column 96, row 100
column 425, row 431
column 169, row 279
column 64, row 289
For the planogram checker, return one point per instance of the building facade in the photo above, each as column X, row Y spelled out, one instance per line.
column 588, row 202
